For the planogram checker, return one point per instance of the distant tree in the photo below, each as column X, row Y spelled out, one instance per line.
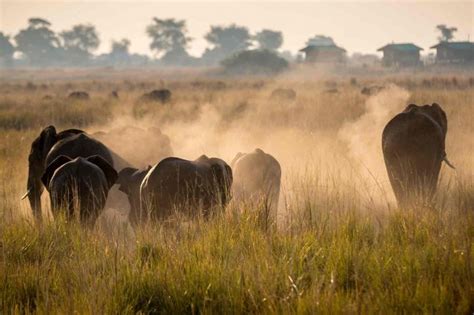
column 225, row 41
column 120, row 47
column 6, row 50
column 79, row 43
column 268, row 39
column 320, row 40
column 38, row 43
column 447, row 33
column 230, row 39
column 168, row 38
column 255, row 62
column 119, row 54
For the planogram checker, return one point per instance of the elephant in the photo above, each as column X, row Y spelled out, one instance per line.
column 176, row 183
column 138, row 146
column 371, row 90
column 114, row 95
column 79, row 95
column 49, row 145
column 257, row 177
column 413, row 144
column 161, row 95
column 79, row 183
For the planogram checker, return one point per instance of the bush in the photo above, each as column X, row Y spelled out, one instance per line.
column 255, row 62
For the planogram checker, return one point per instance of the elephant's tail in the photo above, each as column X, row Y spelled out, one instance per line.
column 445, row 159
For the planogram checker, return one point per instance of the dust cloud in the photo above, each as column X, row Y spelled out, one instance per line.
column 315, row 135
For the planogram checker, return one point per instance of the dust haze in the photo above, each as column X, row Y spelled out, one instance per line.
column 305, row 135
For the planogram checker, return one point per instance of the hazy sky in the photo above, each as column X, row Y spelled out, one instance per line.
column 358, row 26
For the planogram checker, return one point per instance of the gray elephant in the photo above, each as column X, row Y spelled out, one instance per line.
column 176, row 184
column 257, row 177
column 161, row 95
column 80, row 183
column 49, row 145
column 79, row 95
column 413, row 145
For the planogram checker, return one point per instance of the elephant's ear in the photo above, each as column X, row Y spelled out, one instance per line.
column 42, row 144
column 410, row 107
column 52, row 167
column 109, row 172
column 222, row 174
column 229, row 176
column 441, row 117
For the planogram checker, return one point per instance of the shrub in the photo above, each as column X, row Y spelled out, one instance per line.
column 255, row 62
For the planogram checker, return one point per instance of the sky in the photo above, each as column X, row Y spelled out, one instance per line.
column 358, row 26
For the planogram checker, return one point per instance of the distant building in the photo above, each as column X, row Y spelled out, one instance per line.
column 401, row 55
column 325, row 53
column 454, row 52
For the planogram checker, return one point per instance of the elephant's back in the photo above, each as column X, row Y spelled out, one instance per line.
column 411, row 132
column 80, row 172
column 257, row 166
column 79, row 145
column 82, row 179
column 169, row 174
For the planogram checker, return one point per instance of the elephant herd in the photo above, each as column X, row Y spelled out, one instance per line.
column 78, row 171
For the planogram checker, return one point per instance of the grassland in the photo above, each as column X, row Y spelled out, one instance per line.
column 340, row 246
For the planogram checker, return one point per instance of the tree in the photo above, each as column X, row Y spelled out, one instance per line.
column 119, row 54
column 6, row 50
column 79, row 43
column 38, row 43
column 168, row 38
column 120, row 47
column 320, row 40
column 447, row 33
column 255, row 62
column 226, row 40
column 268, row 39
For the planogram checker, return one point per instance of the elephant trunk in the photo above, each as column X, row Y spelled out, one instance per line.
column 34, row 191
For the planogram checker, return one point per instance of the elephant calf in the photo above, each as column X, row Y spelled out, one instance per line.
column 257, row 177
column 176, row 184
column 79, row 184
column 413, row 145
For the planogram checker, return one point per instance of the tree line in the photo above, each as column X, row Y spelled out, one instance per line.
column 38, row 45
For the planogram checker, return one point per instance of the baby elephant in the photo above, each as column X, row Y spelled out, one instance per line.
column 79, row 184
column 257, row 177
column 176, row 184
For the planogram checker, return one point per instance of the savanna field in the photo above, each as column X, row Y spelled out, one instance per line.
column 340, row 244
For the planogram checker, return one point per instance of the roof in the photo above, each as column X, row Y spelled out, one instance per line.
column 401, row 47
column 327, row 47
column 455, row 45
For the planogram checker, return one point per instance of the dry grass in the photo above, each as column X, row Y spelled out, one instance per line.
column 340, row 246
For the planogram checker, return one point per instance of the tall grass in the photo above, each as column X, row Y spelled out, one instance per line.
column 340, row 245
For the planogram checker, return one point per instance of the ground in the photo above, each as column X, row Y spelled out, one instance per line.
column 340, row 245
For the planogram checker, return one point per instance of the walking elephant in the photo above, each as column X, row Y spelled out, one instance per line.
column 49, row 145
column 80, row 183
column 413, row 145
column 176, row 184
column 257, row 177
